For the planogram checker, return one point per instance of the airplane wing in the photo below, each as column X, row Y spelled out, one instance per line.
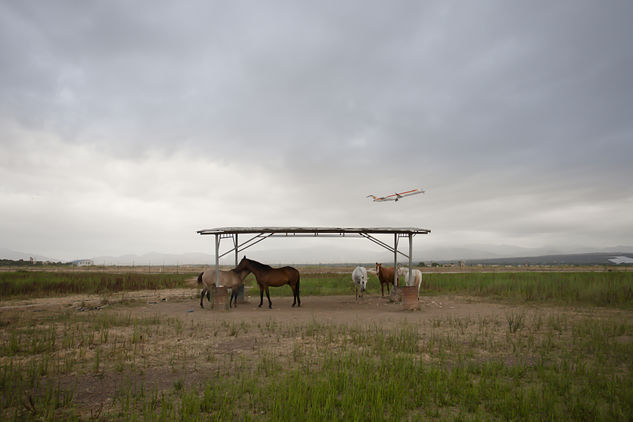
column 395, row 196
column 410, row 192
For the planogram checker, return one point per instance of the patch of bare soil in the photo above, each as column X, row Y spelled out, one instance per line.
column 185, row 304
column 213, row 340
column 329, row 309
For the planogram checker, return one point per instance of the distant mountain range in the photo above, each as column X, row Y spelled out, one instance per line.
column 16, row 256
column 600, row 258
column 155, row 258
column 269, row 256
column 495, row 252
column 478, row 254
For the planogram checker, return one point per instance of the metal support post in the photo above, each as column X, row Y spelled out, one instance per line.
column 240, row 291
column 235, row 243
column 217, row 260
column 410, row 259
column 395, row 260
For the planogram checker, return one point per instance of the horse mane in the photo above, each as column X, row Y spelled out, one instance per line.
column 259, row 265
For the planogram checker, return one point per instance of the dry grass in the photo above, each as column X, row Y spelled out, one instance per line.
column 460, row 358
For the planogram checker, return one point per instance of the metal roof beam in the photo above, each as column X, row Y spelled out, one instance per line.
column 383, row 244
column 262, row 233
column 315, row 230
column 250, row 242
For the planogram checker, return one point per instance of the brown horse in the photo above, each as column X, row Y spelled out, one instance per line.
column 267, row 276
column 385, row 275
column 232, row 279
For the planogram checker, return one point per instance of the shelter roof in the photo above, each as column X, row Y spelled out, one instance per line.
column 316, row 230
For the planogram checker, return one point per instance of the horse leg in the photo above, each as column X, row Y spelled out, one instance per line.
column 233, row 298
column 295, row 294
column 270, row 304
column 261, row 295
column 298, row 291
column 202, row 298
column 382, row 289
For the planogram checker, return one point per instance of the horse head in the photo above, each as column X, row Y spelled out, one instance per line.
column 359, row 276
column 242, row 265
column 242, row 270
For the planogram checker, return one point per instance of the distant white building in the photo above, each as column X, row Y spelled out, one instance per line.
column 621, row 260
column 83, row 262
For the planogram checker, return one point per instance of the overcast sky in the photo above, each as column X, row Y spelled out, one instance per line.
column 127, row 126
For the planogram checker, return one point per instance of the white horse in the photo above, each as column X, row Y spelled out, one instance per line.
column 231, row 279
column 416, row 275
column 359, row 277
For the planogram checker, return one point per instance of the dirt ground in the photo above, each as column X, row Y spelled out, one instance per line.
column 204, row 353
column 333, row 309
column 185, row 303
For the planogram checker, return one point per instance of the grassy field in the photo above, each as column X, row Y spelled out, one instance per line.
column 598, row 288
column 594, row 288
column 562, row 351
column 43, row 283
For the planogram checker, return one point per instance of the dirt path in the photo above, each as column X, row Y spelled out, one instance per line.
column 333, row 309
column 184, row 303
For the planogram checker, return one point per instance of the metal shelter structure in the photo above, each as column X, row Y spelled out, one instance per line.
column 258, row 234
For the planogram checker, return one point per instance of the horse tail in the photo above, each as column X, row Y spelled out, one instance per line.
column 200, row 277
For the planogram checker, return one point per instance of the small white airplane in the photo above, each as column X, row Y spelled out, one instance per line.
column 395, row 196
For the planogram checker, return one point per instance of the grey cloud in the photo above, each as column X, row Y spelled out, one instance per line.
column 475, row 101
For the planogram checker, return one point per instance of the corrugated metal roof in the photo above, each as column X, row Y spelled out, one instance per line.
column 315, row 230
